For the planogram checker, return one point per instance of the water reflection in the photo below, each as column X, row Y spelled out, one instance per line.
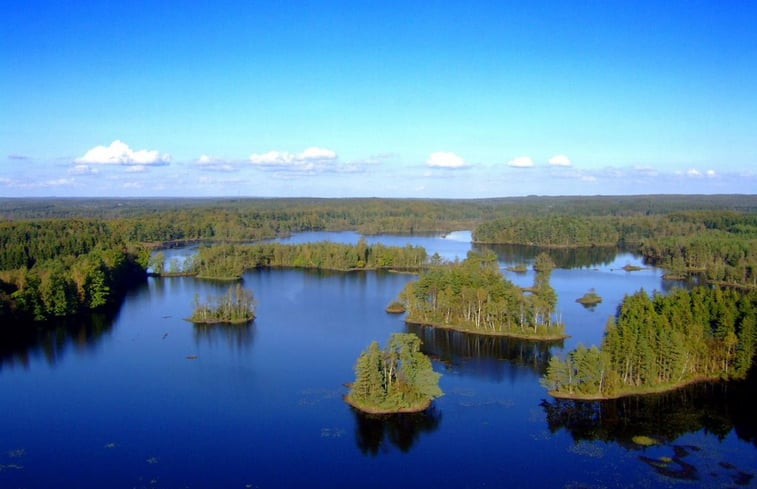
column 235, row 336
column 590, row 256
column 376, row 434
column 482, row 355
column 51, row 340
column 715, row 408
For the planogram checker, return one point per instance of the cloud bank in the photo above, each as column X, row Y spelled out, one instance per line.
column 119, row 153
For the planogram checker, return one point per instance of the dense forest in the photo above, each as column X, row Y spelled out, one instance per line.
column 397, row 379
column 474, row 296
column 663, row 341
column 57, row 268
column 229, row 261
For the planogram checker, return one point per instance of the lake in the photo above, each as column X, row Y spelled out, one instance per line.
column 141, row 398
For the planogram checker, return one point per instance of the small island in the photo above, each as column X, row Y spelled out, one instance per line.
column 472, row 296
column 589, row 299
column 236, row 306
column 397, row 379
column 395, row 307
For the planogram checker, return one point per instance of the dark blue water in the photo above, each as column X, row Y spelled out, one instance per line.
column 146, row 399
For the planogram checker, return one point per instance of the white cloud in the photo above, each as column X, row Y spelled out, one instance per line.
column 710, row 173
column 444, row 159
column 316, row 153
column 560, row 160
column 119, row 153
column 589, row 178
column 521, row 162
column 693, row 172
column 136, row 168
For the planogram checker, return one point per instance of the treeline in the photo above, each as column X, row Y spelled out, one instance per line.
column 229, row 261
column 474, row 296
column 366, row 209
column 722, row 245
column 663, row 341
column 569, row 231
column 55, row 268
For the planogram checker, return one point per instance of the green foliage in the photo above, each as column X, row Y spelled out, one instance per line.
column 237, row 305
column 664, row 340
column 474, row 296
column 231, row 260
column 398, row 378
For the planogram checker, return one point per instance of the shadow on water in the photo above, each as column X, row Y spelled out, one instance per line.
column 23, row 341
column 489, row 357
column 716, row 408
column 236, row 336
column 376, row 434
column 588, row 256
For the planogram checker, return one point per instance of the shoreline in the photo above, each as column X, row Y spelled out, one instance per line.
column 514, row 335
column 379, row 411
column 236, row 322
column 661, row 389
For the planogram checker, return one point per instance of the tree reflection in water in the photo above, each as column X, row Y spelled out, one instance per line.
column 483, row 355
column 236, row 336
column 585, row 256
column 716, row 408
column 376, row 433
column 21, row 342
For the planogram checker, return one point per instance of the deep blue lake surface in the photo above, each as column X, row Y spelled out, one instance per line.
column 146, row 399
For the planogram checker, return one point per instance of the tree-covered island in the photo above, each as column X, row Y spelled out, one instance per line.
column 663, row 342
column 473, row 296
column 397, row 379
column 236, row 306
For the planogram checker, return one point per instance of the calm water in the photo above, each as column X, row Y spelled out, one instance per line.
column 146, row 399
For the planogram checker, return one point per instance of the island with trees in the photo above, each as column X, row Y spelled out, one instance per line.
column 236, row 306
column 590, row 299
column 473, row 296
column 663, row 342
column 397, row 379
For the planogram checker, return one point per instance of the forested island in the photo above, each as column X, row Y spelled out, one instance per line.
column 397, row 379
column 236, row 306
column 473, row 296
column 663, row 342
column 229, row 261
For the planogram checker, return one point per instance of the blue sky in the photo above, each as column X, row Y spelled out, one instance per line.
column 388, row 99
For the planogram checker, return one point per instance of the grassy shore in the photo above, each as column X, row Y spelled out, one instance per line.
column 505, row 334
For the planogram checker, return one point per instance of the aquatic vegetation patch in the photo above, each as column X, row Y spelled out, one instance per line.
column 645, row 441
